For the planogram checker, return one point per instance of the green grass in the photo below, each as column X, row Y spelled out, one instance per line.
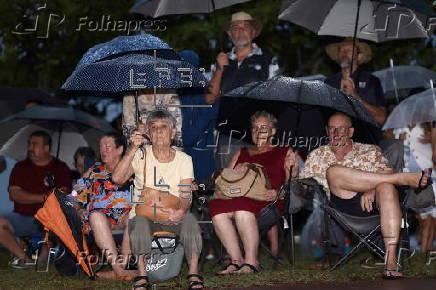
column 300, row 273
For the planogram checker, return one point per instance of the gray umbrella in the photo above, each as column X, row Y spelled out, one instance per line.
column 419, row 108
column 405, row 77
column 377, row 20
column 157, row 8
column 72, row 128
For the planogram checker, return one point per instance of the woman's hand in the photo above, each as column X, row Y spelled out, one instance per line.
column 270, row 194
column 174, row 215
column 136, row 139
column 291, row 159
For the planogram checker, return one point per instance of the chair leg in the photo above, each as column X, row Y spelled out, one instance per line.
column 292, row 239
column 348, row 256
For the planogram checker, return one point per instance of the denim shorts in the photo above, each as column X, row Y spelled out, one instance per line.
column 24, row 225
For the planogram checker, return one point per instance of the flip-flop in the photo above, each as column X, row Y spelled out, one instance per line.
column 145, row 285
column 193, row 284
column 252, row 268
column 236, row 266
column 388, row 275
column 429, row 179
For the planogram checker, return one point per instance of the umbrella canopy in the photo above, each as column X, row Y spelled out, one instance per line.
column 70, row 140
column 378, row 20
column 61, row 114
column 405, row 77
column 69, row 128
column 59, row 216
column 13, row 100
column 156, row 8
column 419, row 108
column 133, row 72
column 144, row 43
column 301, row 107
column 304, row 92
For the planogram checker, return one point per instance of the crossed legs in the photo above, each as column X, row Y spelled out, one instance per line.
column 345, row 182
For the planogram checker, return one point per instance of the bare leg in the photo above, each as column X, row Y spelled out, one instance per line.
column 249, row 233
column 226, row 232
column 8, row 240
column 426, row 230
column 390, row 221
column 105, row 241
column 193, row 269
column 273, row 237
column 343, row 181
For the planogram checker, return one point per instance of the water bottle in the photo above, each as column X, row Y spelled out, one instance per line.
column 347, row 245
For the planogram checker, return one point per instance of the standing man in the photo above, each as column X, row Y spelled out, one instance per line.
column 28, row 188
column 358, row 83
column 245, row 63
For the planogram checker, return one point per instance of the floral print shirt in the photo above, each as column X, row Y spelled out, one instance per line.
column 364, row 157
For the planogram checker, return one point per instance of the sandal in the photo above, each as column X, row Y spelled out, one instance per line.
column 145, row 285
column 429, row 180
column 390, row 274
column 194, row 284
column 251, row 267
column 236, row 266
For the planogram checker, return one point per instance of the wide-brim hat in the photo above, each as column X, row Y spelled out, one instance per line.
column 242, row 16
column 363, row 49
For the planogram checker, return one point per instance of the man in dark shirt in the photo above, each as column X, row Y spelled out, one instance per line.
column 359, row 83
column 246, row 63
column 28, row 187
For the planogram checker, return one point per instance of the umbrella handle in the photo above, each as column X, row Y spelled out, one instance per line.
column 356, row 24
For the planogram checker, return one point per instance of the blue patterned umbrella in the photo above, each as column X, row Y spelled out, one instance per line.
column 144, row 43
column 133, row 72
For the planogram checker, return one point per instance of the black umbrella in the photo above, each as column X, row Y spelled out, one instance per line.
column 302, row 108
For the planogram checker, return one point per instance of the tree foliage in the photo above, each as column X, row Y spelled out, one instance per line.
column 29, row 60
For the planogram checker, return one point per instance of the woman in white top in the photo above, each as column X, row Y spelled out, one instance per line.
column 169, row 174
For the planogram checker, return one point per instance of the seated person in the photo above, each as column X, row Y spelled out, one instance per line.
column 277, row 162
column 28, row 190
column 82, row 159
column 166, row 169
column 107, row 204
column 355, row 176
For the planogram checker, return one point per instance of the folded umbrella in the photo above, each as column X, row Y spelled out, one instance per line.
column 60, row 217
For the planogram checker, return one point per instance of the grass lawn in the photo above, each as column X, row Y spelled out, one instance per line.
column 300, row 273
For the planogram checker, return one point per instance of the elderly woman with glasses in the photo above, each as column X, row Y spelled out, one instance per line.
column 167, row 170
column 277, row 162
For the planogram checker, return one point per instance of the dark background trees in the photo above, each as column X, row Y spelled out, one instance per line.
column 44, row 58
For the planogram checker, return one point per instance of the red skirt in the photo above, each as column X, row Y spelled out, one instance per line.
column 218, row 206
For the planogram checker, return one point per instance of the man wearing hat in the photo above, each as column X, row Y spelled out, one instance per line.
column 244, row 64
column 359, row 83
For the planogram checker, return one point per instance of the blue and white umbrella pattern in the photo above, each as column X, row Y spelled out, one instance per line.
column 134, row 72
column 141, row 43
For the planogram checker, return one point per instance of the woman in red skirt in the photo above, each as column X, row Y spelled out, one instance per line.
column 277, row 162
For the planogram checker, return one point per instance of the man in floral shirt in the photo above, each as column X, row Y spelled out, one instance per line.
column 361, row 183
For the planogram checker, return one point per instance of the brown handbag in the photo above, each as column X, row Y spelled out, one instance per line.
column 230, row 183
column 151, row 196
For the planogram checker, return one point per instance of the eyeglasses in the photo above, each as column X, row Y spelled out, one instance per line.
column 340, row 130
column 243, row 27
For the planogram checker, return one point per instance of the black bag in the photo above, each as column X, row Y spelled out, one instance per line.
column 269, row 216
